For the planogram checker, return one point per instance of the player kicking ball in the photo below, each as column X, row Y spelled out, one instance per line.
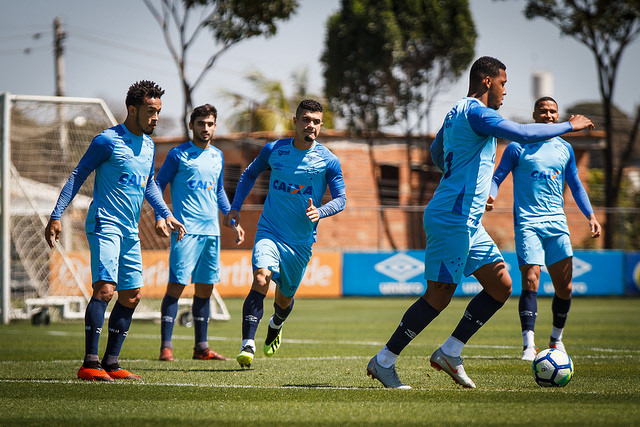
column 301, row 171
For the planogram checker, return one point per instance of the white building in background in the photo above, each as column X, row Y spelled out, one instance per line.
column 542, row 84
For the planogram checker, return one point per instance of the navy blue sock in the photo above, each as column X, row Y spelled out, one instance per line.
column 415, row 319
column 528, row 309
column 252, row 311
column 560, row 309
column 93, row 321
column 119, row 322
column 200, row 310
column 168, row 314
column 281, row 314
column 478, row 312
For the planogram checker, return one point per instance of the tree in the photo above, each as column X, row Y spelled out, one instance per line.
column 606, row 27
column 229, row 21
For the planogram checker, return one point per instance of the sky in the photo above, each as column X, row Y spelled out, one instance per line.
column 111, row 44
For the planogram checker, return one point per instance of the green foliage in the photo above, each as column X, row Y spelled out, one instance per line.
column 318, row 375
column 384, row 61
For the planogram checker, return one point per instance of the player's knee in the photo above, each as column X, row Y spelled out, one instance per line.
column 103, row 291
column 261, row 280
column 564, row 292
column 129, row 300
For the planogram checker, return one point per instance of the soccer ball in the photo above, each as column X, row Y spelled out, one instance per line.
column 552, row 368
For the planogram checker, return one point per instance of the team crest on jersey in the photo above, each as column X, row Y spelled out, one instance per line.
column 283, row 152
column 292, row 188
column 198, row 184
column 545, row 174
column 133, row 179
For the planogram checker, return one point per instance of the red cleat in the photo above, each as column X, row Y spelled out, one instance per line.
column 118, row 373
column 208, row 354
column 94, row 373
column 166, row 354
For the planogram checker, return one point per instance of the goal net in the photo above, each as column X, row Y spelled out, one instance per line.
column 43, row 139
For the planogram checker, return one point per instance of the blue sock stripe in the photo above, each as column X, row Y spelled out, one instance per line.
column 201, row 311
column 528, row 309
column 281, row 314
column 168, row 314
column 252, row 311
column 93, row 321
column 119, row 323
column 478, row 312
column 414, row 320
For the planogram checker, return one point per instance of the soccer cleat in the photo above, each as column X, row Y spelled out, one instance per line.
column 116, row 372
column 528, row 353
column 452, row 366
column 93, row 372
column 387, row 376
column 272, row 342
column 166, row 353
column 246, row 356
column 557, row 344
column 208, row 354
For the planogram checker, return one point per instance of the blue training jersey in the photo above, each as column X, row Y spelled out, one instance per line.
column 539, row 172
column 464, row 150
column 296, row 176
column 124, row 166
column 197, row 191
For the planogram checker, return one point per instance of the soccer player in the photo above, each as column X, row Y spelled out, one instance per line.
column 541, row 233
column 457, row 244
column 123, row 159
column 301, row 170
column 195, row 172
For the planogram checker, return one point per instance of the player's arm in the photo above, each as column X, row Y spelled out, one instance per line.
column 437, row 150
column 486, row 121
column 163, row 178
column 246, row 183
column 580, row 194
column 225, row 206
column 98, row 152
column 338, row 202
column 153, row 195
column 508, row 162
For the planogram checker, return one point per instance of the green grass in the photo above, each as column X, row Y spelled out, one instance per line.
column 318, row 375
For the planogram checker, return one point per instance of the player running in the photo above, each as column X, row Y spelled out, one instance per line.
column 123, row 159
column 195, row 172
column 541, row 233
column 301, row 170
column 457, row 243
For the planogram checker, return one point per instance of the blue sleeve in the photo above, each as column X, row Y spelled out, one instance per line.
column 154, row 196
column 437, row 150
column 223, row 200
column 336, row 185
column 250, row 174
column 508, row 162
column 166, row 173
column 486, row 121
column 577, row 190
column 98, row 152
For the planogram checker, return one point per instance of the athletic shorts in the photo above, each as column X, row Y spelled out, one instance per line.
column 194, row 259
column 288, row 263
column 542, row 243
column 455, row 249
column 116, row 259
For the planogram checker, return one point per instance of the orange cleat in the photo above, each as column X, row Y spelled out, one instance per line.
column 93, row 373
column 208, row 354
column 166, row 353
column 118, row 373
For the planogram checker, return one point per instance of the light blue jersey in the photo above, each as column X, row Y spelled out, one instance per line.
column 296, row 176
column 197, row 191
column 124, row 165
column 539, row 172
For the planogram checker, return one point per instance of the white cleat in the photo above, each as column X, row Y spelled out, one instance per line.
column 452, row 366
column 387, row 376
column 557, row 344
column 529, row 353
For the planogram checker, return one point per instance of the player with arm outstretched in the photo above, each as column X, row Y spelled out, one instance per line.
column 457, row 243
column 123, row 160
column 301, row 171
column 195, row 171
column 539, row 173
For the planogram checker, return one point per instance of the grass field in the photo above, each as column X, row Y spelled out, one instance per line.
column 318, row 375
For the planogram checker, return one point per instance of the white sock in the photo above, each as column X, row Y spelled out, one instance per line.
column 556, row 334
column 527, row 338
column 386, row 358
column 452, row 347
column 273, row 325
column 250, row 343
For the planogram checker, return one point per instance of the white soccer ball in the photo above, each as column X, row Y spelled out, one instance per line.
column 552, row 368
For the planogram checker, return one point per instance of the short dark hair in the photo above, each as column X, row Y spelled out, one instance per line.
column 483, row 67
column 308, row 105
column 543, row 99
column 141, row 90
column 203, row 111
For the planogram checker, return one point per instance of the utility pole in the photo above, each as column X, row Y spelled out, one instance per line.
column 58, row 55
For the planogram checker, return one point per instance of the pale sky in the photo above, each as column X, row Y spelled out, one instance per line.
column 111, row 44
